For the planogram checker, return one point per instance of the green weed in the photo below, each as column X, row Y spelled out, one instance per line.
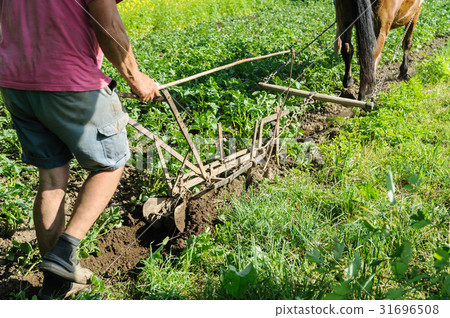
column 107, row 221
column 15, row 197
column 26, row 256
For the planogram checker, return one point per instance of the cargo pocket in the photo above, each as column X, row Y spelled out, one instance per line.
column 113, row 137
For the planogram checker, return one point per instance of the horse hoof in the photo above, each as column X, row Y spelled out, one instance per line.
column 362, row 96
column 347, row 93
column 404, row 77
column 348, row 83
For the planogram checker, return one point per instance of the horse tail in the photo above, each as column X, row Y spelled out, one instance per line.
column 366, row 44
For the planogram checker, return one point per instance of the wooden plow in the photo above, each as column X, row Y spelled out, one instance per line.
column 216, row 174
column 213, row 175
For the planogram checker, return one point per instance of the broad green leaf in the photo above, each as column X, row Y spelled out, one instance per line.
column 315, row 256
column 403, row 252
column 390, row 185
column 376, row 262
column 419, row 220
column 342, row 289
column 413, row 182
column 26, row 247
column 441, row 254
column 354, row 267
column 246, row 271
column 417, row 278
column 402, row 255
column 414, row 179
column 248, row 276
column 237, row 282
column 406, row 253
column 231, row 281
column 338, row 249
column 394, row 293
column 399, row 268
column 83, row 254
column 441, row 258
column 10, row 256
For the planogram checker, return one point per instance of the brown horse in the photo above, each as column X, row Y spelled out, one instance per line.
column 372, row 27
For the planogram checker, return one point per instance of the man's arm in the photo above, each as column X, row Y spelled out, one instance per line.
column 114, row 42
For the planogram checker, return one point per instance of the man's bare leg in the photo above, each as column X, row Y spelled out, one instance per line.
column 94, row 196
column 60, row 266
column 61, row 261
column 48, row 209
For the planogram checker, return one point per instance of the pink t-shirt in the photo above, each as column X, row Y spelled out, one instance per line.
column 49, row 45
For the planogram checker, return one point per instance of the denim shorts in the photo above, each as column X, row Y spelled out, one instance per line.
column 54, row 127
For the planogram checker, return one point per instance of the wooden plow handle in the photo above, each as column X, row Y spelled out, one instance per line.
column 320, row 97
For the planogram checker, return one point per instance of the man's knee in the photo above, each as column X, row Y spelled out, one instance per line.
column 55, row 178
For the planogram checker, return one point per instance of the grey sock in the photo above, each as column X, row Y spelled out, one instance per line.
column 66, row 247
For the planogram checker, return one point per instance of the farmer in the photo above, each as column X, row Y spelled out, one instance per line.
column 62, row 105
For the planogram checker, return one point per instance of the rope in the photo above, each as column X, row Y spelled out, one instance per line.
column 267, row 79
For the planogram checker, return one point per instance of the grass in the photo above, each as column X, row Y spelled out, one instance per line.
column 145, row 16
column 330, row 233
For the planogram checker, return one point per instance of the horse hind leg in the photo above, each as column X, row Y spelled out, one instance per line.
column 407, row 43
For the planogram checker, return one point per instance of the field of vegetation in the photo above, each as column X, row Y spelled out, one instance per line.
column 372, row 222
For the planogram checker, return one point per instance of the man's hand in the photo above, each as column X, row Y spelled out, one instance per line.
column 114, row 42
column 144, row 87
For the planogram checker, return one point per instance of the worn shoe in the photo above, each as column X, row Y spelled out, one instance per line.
column 67, row 289
column 68, row 271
